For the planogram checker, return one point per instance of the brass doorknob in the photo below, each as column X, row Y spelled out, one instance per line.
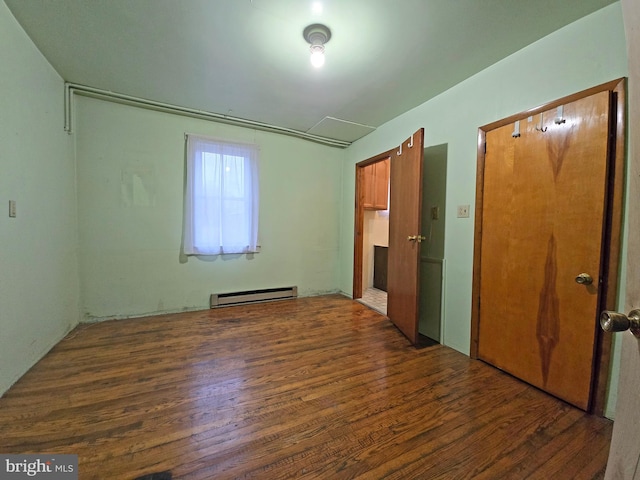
column 416, row 238
column 584, row 279
column 619, row 322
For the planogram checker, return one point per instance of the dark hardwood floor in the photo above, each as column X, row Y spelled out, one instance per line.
column 317, row 387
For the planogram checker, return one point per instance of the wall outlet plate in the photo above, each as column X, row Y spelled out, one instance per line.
column 12, row 208
column 463, row 211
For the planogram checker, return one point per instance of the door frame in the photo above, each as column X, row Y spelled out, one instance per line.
column 358, row 241
column 611, row 229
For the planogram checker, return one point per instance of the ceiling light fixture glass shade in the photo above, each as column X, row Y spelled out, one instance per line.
column 317, row 55
column 317, row 35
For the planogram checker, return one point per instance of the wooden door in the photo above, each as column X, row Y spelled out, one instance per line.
column 624, row 456
column 404, row 221
column 542, row 226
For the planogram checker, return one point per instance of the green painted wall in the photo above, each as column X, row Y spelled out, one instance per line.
column 586, row 53
column 38, row 263
column 130, row 250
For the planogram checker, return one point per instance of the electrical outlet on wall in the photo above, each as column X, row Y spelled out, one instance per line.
column 463, row 211
column 12, row 208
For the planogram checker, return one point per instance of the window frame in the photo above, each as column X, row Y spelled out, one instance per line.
column 232, row 168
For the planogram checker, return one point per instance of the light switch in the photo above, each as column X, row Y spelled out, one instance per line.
column 12, row 208
column 435, row 213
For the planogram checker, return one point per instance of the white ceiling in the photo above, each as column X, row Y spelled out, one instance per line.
column 248, row 59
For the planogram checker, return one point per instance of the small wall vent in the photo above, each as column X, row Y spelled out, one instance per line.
column 252, row 296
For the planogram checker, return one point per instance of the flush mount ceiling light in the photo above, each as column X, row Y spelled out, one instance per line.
column 317, row 35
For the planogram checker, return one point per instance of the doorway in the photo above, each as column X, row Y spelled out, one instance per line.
column 375, row 234
column 372, row 236
column 359, row 282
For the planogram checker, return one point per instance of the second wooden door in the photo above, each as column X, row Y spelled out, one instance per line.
column 542, row 238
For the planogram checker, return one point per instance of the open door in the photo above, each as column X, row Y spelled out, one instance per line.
column 405, row 236
column 624, row 456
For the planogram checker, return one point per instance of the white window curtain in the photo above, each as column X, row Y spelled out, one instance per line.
column 221, row 198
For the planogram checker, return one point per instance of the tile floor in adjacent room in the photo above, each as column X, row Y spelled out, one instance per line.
column 376, row 299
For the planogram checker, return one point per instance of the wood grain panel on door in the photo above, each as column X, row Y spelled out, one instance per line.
column 543, row 219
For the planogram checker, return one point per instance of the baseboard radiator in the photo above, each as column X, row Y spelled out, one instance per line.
column 252, row 296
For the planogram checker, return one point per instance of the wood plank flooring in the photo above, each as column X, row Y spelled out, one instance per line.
column 321, row 388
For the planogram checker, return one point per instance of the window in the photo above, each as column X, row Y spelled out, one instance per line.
column 221, row 199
